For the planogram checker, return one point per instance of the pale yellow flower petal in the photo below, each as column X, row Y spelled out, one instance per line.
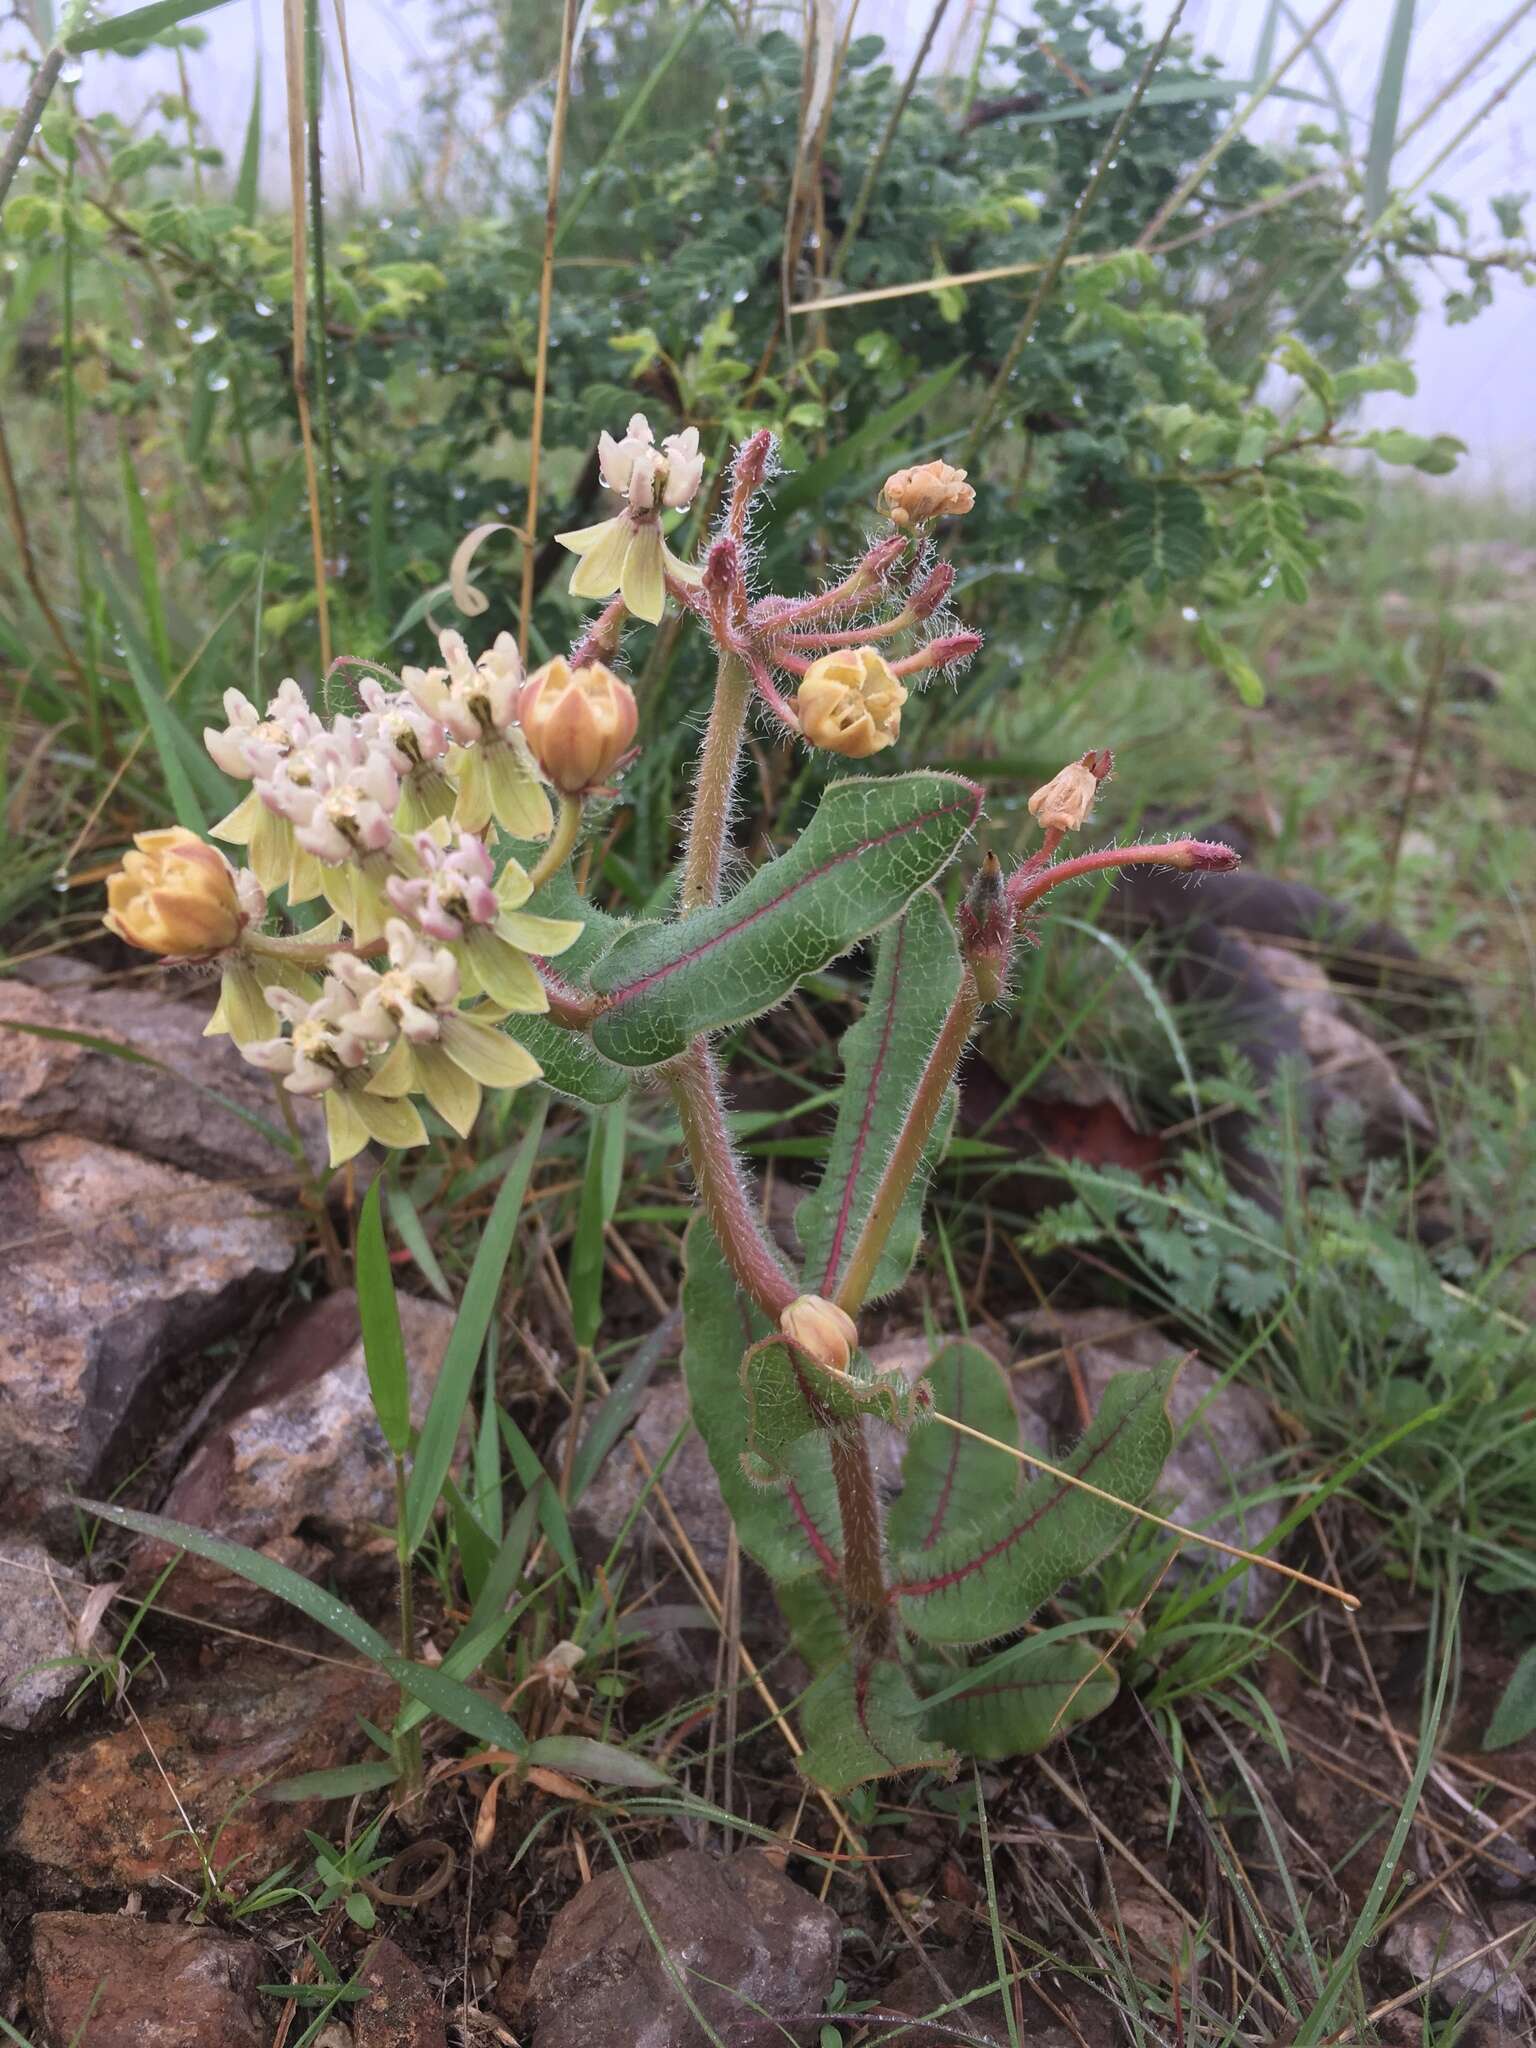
column 641, row 582
column 504, row 974
column 519, row 801
column 454, row 1094
column 394, row 1122
column 545, row 936
column 490, row 1055
column 344, row 1127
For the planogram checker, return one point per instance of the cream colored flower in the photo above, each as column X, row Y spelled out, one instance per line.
column 322, row 1055
column 460, row 900
column 1063, row 803
column 628, row 554
column 930, row 490
column 820, row 1327
column 178, row 896
column 477, row 702
column 579, row 725
column 850, row 702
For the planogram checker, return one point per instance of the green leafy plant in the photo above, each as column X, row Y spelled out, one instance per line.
column 444, row 946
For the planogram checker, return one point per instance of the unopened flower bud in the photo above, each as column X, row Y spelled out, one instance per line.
column 722, row 568
column 932, row 591
column 578, row 723
column 930, row 490
column 175, row 895
column 1204, row 856
column 986, row 922
column 948, row 651
column 822, row 1329
column 1063, row 803
column 752, row 460
column 850, row 702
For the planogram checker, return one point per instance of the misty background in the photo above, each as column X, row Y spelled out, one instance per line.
column 1476, row 380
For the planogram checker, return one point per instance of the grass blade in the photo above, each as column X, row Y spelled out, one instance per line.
column 247, row 184
column 604, row 1762
column 389, row 1380
column 599, row 1198
column 195, row 786
column 138, row 25
column 143, row 544
column 1389, row 100
column 440, row 1431
column 258, row 1570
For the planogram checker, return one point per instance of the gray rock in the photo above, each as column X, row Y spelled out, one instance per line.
column 744, row 1940
column 116, row 1982
column 294, row 1446
column 115, row 1264
column 1431, row 1942
column 49, row 1085
column 39, row 1602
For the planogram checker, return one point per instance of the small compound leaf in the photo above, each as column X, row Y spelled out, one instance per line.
column 987, row 1579
column 1044, row 1689
column 916, row 978
column 873, row 843
column 794, row 1531
column 789, row 1396
column 863, row 1720
column 949, row 1482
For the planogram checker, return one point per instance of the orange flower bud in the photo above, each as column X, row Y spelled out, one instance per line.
column 821, row 1328
column 174, row 895
column 850, row 702
column 578, row 723
column 1063, row 804
column 929, row 490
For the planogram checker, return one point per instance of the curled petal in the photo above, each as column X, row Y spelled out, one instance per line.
column 470, row 601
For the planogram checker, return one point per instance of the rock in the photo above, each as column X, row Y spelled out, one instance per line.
column 402, row 2012
column 293, row 1447
column 1429, row 1941
column 39, row 1604
column 674, row 1655
column 1349, row 1069
column 1225, row 1437
column 101, row 1811
column 740, row 1935
column 114, row 1982
column 115, row 1265
column 49, row 1085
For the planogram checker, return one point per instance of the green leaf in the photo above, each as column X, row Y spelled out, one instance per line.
column 458, row 1704
column 949, row 1480
column 138, row 25
column 794, row 1531
column 440, row 1430
column 1045, row 1689
column 1435, row 455
column 871, row 846
column 572, row 1064
column 1515, row 1716
column 345, row 1781
column 248, row 182
column 987, row 1579
column 863, row 1720
column 1240, row 673
column 389, row 1380
column 599, row 1198
column 253, row 1566
column 788, row 1396
column 194, row 783
column 143, row 543
column 604, row 1762
column 1163, row 536
column 916, row 978
column 1389, row 100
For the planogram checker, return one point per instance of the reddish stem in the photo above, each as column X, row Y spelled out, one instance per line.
column 1199, row 856
column 694, row 1081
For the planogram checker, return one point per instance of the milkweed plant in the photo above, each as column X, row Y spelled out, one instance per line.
column 438, row 823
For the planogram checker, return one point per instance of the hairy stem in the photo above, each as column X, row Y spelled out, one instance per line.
column 562, row 842
column 695, row 1084
column 1189, row 855
column 859, row 1510
column 716, row 784
column 906, row 1155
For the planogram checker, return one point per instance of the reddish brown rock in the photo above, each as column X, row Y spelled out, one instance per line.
column 744, row 1939
column 115, row 1264
column 107, row 1981
column 294, row 1446
column 104, row 1811
column 402, row 2012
